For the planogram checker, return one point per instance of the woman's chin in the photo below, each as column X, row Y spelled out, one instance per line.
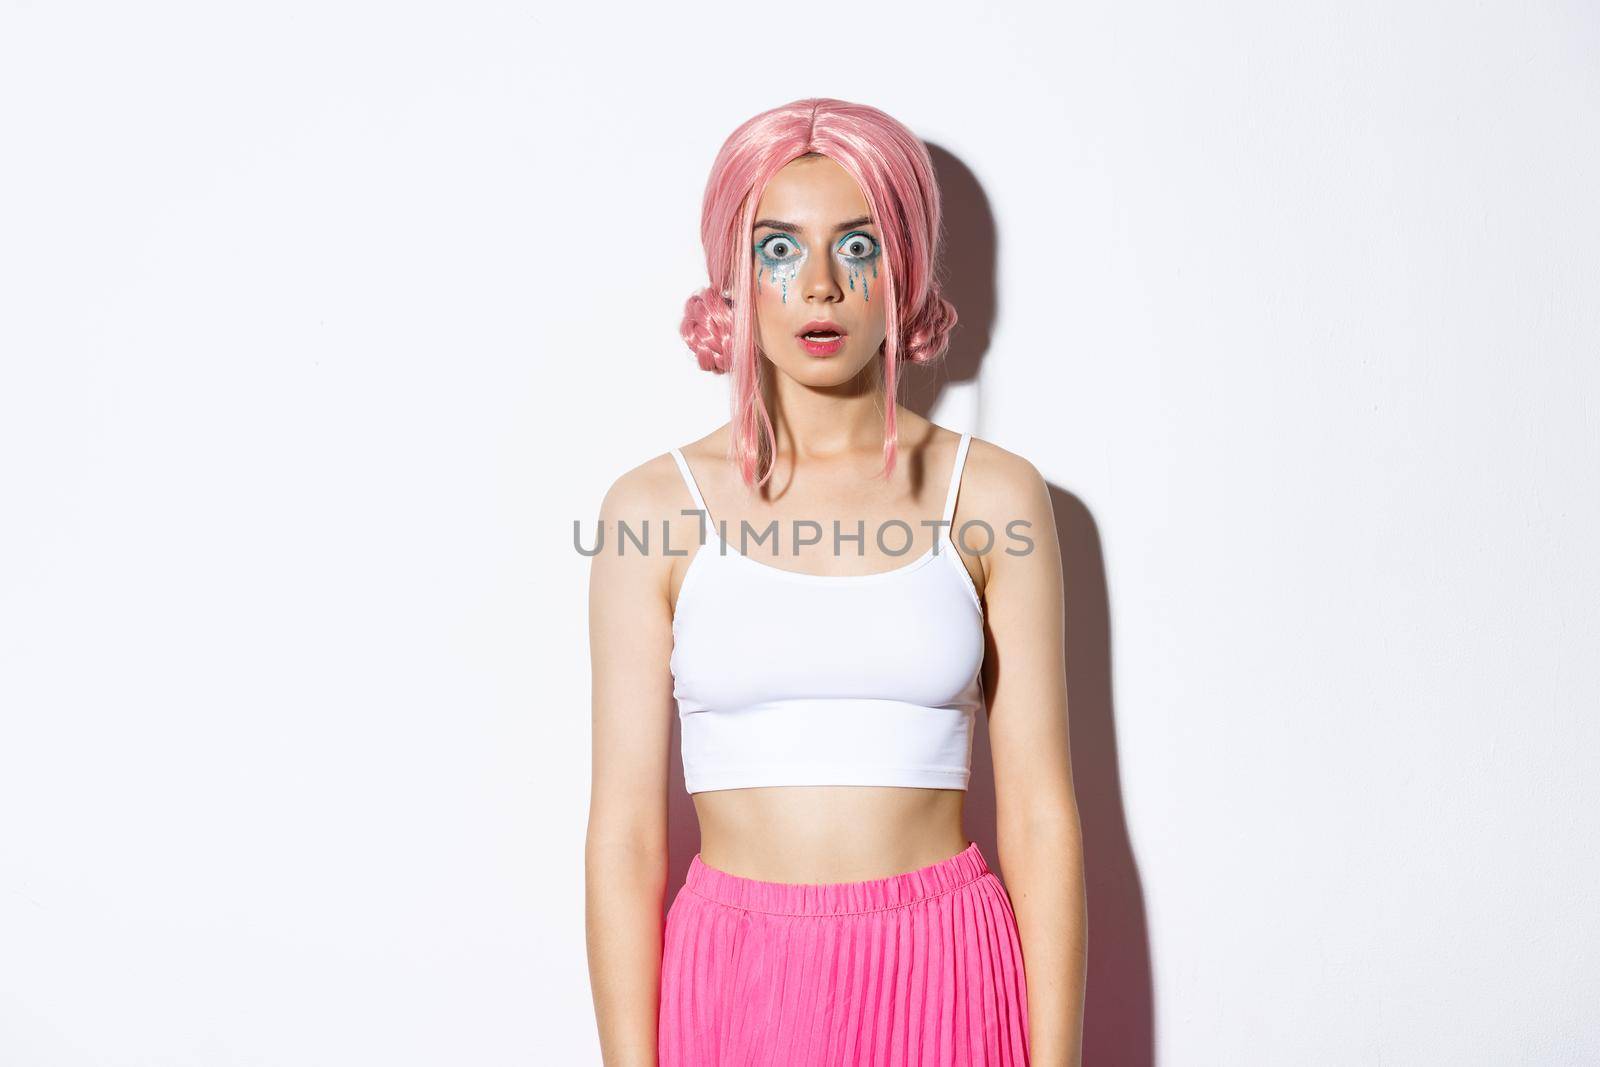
column 821, row 373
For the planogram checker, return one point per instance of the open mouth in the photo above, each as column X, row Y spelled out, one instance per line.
column 822, row 342
column 821, row 337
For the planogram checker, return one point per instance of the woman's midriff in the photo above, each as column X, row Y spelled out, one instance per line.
column 828, row 833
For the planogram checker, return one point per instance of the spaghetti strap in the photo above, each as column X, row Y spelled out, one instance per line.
column 688, row 479
column 955, row 479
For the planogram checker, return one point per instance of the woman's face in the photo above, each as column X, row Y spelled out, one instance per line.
column 817, row 259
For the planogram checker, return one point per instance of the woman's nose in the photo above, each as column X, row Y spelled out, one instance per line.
column 819, row 279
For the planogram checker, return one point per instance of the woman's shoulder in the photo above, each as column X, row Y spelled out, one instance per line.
column 1005, row 491
column 996, row 476
column 654, row 488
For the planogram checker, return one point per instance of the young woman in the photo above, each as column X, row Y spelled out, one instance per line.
column 832, row 589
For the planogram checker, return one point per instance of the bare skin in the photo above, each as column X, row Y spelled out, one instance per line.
column 827, row 414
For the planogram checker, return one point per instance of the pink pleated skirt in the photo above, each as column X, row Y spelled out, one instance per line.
column 922, row 969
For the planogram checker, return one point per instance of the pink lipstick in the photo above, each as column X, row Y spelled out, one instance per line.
column 821, row 337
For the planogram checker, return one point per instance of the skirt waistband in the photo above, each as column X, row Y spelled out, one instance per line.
column 837, row 898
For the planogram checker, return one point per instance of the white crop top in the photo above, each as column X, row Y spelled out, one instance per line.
column 787, row 678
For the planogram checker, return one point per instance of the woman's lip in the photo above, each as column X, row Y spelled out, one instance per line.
column 822, row 348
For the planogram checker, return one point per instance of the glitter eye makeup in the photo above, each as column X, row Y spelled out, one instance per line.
column 860, row 250
column 779, row 256
column 859, row 245
column 779, row 249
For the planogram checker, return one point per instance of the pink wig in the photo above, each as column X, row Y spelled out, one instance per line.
column 895, row 173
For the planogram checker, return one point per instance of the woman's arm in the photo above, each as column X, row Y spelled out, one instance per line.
column 625, row 852
column 1025, row 681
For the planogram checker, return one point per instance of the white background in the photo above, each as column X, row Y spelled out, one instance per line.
column 322, row 323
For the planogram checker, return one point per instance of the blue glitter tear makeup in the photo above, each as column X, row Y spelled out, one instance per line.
column 856, row 262
column 781, row 268
column 860, row 269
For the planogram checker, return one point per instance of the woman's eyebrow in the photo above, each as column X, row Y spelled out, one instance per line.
column 789, row 227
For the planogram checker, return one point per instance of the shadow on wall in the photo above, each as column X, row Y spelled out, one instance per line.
column 1119, row 1011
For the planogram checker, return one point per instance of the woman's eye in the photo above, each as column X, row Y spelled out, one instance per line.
column 859, row 246
column 778, row 249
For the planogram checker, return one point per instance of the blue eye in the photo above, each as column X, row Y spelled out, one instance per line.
column 859, row 245
column 778, row 249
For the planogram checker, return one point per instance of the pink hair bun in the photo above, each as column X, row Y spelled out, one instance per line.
column 707, row 329
column 928, row 335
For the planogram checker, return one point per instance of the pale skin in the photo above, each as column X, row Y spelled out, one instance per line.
column 827, row 413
